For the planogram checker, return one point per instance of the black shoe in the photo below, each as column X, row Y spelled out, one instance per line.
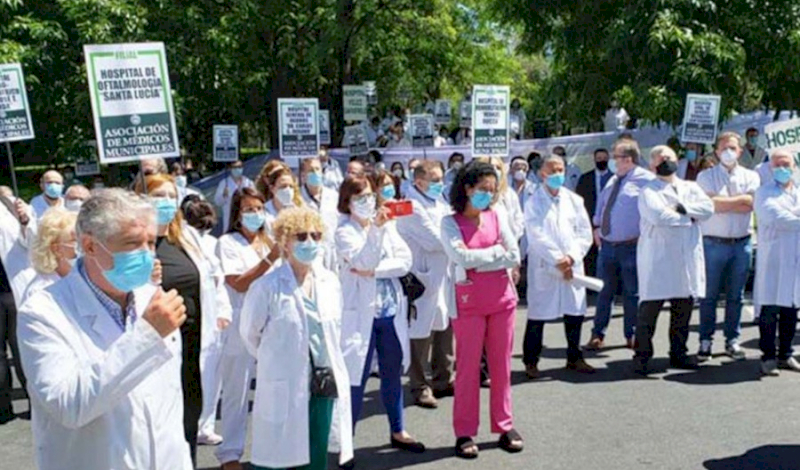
column 683, row 363
column 349, row 465
column 444, row 393
column 6, row 417
column 639, row 367
column 413, row 447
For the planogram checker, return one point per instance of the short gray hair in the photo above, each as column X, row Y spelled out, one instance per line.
column 104, row 214
column 659, row 150
column 782, row 153
column 629, row 148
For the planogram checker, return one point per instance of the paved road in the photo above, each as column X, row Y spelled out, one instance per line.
column 724, row 416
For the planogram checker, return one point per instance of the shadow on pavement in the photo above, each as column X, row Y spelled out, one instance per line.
column 772, row 457
column 719, row 374
column 386, row 458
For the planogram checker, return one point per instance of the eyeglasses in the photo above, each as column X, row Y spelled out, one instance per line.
column 303, row 236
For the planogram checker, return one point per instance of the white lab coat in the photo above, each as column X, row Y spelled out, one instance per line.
column 332, row 174
column 274, row 327
column 669, row 256
column 14, row 243
column 39, row 205
column 556, row 227
column 223, row 201
column 777, row 264
column 101, row 399
column 422, row 232
column 361, row 249
column 30, row 282
column 508, row 208
column 572, row 176
column 327, row 208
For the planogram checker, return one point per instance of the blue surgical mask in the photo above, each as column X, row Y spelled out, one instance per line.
column 555, row 181
column 314, row 179
column 782, row 174
column 306, row 252
column 435, row 190
column 237, row 172
column 753, row 141
column 691, row 155
column 132, row 269
column 481, row 200
column 166, row 208
column 180, row 181
column 253, row 221
column 388, row 191
column 54, row 190
column 612, row 165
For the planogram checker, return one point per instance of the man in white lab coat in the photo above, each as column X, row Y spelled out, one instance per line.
column 669, row 257
column 777, row 285
column 52, row 185
column 17, row 230
column 227, row 187
column 102, row 350
column 324, row 201
column 573, row 172
column 331, row 171
column 430, row 332
column 559, row 236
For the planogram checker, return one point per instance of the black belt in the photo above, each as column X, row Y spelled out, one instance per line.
column 727, row 241
column 632, row 241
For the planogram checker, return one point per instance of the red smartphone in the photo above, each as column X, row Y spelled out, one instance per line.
column 400, row 208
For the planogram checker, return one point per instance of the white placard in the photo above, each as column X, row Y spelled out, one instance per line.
column 421, row 130
column 354, row 101
column 298, row 121
column 15, row 110
column 783, row 136
column 324, row 127
column 700, row 119
column 490, row 117
column 444, row 112
column 226, row 143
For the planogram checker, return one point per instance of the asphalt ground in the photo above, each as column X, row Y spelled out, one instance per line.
column 724, row 416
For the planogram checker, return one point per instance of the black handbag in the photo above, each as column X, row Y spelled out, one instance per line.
column 413, row 289
column 322, row 381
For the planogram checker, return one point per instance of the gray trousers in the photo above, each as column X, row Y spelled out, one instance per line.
column 438, row 350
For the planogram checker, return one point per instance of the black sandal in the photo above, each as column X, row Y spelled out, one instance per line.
column 464, row 443
column 507, row 442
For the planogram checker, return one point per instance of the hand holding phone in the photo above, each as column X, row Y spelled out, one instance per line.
column 399, row 208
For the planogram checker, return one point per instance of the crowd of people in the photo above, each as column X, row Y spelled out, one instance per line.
column 131, row 326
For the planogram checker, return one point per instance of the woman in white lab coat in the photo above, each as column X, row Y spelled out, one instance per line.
column 200, row 215
column 52, row 253
column 559, row 234
column 185, row 268
column 373, row 257
column 669, row 257
column 246, row 252
column 323, row 200
column 280, row 188
column 289, row 323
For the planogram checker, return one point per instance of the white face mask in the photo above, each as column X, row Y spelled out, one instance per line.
column 520, row 175
column 728, row 157
column 364, row 208
column 285, row 196
column 73, row 205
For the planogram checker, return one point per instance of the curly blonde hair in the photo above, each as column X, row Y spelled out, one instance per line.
column 294, row 220
column 56, row 226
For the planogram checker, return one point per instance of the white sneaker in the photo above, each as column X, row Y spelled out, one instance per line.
column 212, row 439
column 770, row 368
column 789, row 364
column 735, row 352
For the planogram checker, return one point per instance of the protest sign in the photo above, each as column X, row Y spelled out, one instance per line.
column 131, row 101
column 355, row 138
column 226, row 143
column 465, row 113
column 784, row 135
column 15, row 111
column 421, row 128
column 87, row 168
column 299, row 125
column 355, row 103
column 700, row 119
column 443, row 112
column 371, row 90
column 490, row 113
column 324, row 127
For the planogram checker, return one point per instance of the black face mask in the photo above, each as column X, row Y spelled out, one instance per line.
column 667, row 168
column 602, row 166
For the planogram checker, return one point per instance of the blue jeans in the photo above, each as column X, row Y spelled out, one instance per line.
column 390, row 366
column 726, row 264
column 617, row 263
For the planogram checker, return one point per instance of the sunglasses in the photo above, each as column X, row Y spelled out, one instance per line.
column 301, row 237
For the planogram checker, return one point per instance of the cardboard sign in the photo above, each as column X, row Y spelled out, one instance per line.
column 443, row 112
column 465, row 113
column 783, row 135
column 700, row 119
column 354, row 100
column 131, row 100
column 421, row 129
column 355, row 138
column 226, row 143
column 490, row 120
column 15, row 111
column 299, row 125
column 371, row 89
column 324, row 127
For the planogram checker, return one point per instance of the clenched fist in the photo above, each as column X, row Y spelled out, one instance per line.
column 157, row 274
column 166, row 312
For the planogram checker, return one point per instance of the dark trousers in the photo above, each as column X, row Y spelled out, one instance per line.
column 534, row 335
column 191, row 382
column 8, row 338
column 436, row 350
column 781, row 321
column 590, row 261
column 680, row 314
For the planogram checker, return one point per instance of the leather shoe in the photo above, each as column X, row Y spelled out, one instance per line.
column 639, row 367
column 444, row 392
column 594, row 344
column 532, row 371
column 235, row 465
column 581, row 367
column 683, row 363
column 425, row 399
column 414, row 447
